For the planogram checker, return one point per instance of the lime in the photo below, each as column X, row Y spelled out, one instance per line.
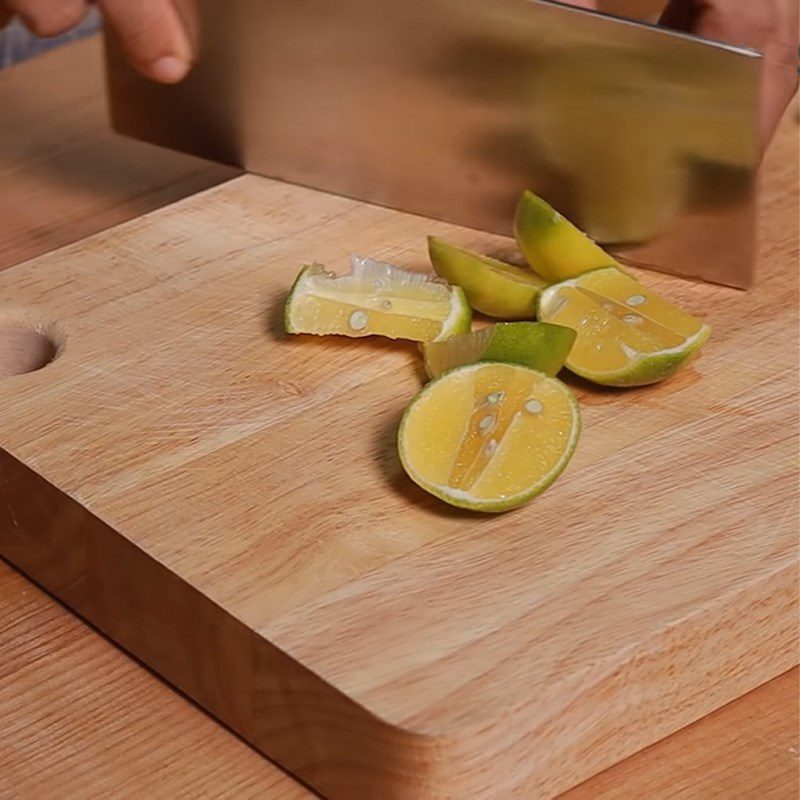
column 375, row 299
column 538, row 345
column 489, row 436
column 498, row 289
column 627, row 334
column 551, row 244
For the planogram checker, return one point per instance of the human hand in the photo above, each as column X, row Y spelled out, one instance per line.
column 769, row 26
column 159, row 37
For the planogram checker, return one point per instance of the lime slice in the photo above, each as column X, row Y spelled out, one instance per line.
column 627, row 334
column 552, row 245
column 489, row 436
column 375, row 299
column 493, row 287
column 537, row 345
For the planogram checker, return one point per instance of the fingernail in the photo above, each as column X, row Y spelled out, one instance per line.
column 169, row 69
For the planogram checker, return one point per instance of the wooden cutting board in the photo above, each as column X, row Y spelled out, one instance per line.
column 228, row 505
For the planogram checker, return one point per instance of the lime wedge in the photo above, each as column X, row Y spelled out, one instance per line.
column 489, row 436
column 552, row 245
column 537, row 345
column 498, row 289
column 627, row 335
column 375, row 299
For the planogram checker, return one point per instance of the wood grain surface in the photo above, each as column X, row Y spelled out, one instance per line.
column 705, row 750
column 81, row 720
column 769, row 766
column 78, row 717
column 227, row 504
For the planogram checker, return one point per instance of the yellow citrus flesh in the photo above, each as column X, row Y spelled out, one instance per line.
column 376, row 299
column 627, row 335
column 419, row 321
column 489, row 436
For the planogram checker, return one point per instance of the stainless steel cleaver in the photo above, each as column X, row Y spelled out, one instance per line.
column 450, row 108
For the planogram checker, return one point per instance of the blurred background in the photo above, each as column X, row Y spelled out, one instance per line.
column 17, row 43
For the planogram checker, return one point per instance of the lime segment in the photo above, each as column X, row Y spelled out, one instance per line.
column 552, row 245
column 375, row 299
column 538, row 345
column 493, row 287
column 489, row 436
column 627, row 335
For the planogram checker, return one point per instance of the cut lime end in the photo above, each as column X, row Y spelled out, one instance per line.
column 492, row 287
column 554, row 247
column 537, row 345
column 375, row 299
column 627, row 335
column 460, row 319
column 287, row 307
column 489, row 436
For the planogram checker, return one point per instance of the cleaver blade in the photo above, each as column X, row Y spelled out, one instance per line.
column 646, row 138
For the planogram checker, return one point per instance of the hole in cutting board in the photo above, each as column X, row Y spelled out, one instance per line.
column 26, row 344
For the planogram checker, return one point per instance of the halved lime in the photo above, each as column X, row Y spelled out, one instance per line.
column 498, row 289
column 627, row 335
column 375, row 299
column 489, row 436
column 552, row 245
column 538, row 345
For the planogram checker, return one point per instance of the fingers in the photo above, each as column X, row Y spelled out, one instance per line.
column 770, row 26
column 187, row 12
column 590, row 4
column 157, row 37
column 740, row 22
column 48, row 17
column 679, row 14
column 779, row 78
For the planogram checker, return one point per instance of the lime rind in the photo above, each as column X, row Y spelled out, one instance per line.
column 463, row 499
column 554, row 247
column 541, row 346
column 299, row 281
column 459, row 320
column 646, row 369
column 494, row 288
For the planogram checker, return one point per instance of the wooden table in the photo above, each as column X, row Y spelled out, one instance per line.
column 63, row 176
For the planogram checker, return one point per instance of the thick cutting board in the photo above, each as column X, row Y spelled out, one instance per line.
column 228, row 505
